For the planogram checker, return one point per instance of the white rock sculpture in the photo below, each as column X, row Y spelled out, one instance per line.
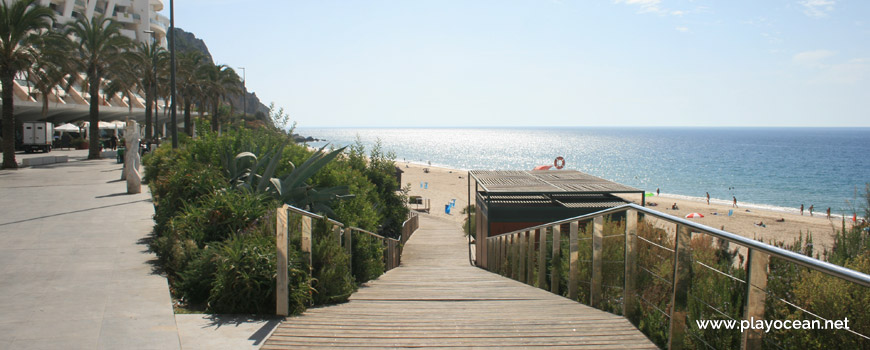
column 131, row 159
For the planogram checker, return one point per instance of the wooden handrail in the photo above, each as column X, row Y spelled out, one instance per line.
column 344, row 235
column 513, row 254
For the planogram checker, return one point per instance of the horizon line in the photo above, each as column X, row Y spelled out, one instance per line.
column 589, row 126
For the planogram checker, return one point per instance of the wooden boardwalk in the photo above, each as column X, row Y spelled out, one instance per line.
column 435, row 299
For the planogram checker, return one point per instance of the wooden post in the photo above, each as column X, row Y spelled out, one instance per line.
column 555, row 274
column 498, row 254
column 682, row 282
column 514, row 259
column 542, row 262
column 756, row 285
column 392, row 254
column 282, row 294
column 628, row 294
column 307, row 243
column 573, row 259
column 522, row 256
column 348, row 245
column 490, row 242
column 597, row 261
column 501, row 255
column 530, row 266
column 337, row 231
column 504, row 256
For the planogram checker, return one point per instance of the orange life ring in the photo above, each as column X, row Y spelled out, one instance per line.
column 559, row 163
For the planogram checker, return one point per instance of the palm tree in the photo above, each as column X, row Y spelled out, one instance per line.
column 124, row 79
column 217, row 82
column 187, row 84
column 21, row 25
column 50, row 68
column 150, row 57
column 99, row 46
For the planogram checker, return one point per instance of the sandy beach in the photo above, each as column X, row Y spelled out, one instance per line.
column 445, row 184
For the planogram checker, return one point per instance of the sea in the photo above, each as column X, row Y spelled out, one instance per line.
column 770, row 168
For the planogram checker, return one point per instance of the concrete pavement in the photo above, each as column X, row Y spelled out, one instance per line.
column 75, row 271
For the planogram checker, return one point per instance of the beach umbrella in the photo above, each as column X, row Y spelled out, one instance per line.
column 67, row 128
column 101, row 125
column 694, row 215
column 543, row 167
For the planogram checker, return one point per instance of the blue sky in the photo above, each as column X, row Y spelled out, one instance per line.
column 547, row 62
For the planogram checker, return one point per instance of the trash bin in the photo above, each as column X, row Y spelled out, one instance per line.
column 120, row 155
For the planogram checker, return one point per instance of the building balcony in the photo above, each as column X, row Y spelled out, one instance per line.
column 129, row 33
column 157, row 5
column 158, row 27
column 125, row 18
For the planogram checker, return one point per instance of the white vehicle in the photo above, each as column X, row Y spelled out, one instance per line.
column 37, row 136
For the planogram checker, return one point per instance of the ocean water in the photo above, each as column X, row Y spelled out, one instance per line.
column 780, row 168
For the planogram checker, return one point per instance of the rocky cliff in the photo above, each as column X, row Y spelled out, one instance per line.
column 186, row 41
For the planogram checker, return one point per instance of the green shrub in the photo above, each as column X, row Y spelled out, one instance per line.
column 368, row 257
column 183, row 184
column 194, row 283
column 218, row 215
column 212, row 218
column 244, row 277
column 333, row 282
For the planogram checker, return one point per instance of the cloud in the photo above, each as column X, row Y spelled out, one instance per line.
column 645, row 5
column 682, row 29
column 817, row 8
column 812, row 58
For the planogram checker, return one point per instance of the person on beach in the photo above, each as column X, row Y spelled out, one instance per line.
column 675, row 207
column 708, row 198
column 811, row 209
column 802, row 209
column 829, row 212
column 735, row 202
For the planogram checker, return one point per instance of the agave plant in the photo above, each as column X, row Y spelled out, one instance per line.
column 250, row 172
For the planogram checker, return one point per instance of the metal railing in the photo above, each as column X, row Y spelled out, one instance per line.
column 523, row 255
column 344, row 237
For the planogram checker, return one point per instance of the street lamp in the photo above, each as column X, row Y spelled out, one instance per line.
column 172, row 118
column 154, row 83
column 244, row 93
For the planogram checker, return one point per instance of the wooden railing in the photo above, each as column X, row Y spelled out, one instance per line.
column 343, row 235
column 525, row 255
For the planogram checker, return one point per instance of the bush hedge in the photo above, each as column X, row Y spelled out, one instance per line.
column 216, row 241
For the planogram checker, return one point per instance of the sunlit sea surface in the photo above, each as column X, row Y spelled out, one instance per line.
column 779, row 168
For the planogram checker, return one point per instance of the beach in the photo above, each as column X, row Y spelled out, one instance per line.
column 443, row 185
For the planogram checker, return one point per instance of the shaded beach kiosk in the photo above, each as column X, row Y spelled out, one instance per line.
column 510, row 200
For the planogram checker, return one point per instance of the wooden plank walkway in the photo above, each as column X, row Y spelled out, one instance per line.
column 435, row 299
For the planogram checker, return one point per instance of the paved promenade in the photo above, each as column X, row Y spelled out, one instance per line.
column 75, row 270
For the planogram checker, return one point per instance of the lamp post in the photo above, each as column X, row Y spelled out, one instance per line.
column 244, row 93
column 154, row 90
column 172, row 118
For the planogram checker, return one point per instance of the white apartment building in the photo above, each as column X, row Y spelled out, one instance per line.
column 138, row 17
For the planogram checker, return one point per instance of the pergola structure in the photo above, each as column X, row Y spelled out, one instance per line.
column 510, row 200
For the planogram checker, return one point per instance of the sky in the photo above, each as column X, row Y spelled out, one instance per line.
column 482, row 63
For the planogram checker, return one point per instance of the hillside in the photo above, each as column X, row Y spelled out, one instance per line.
column 186, row 42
